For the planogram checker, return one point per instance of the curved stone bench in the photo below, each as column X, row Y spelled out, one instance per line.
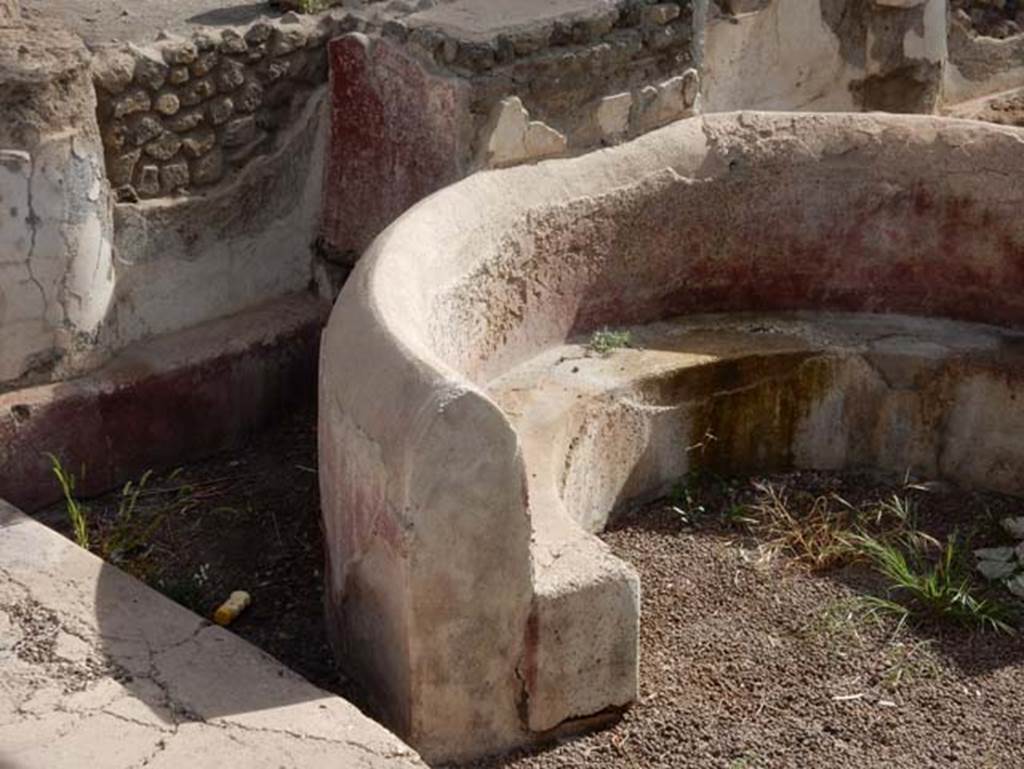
column 464, row 461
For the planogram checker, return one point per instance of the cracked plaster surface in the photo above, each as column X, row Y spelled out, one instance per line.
column 98, row 670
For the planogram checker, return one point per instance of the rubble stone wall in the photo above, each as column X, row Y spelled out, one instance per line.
column 428, row 102
column 184, row 114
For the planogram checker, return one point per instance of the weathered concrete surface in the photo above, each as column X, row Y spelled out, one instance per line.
column 157, row 402
column 98, row 670
column 439, row 564
column 483, row 19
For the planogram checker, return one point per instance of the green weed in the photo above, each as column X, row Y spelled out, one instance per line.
column 76, row 512
column 604, row 341
column 921, row 587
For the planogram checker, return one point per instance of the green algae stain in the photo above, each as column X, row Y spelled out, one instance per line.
column 753, row 410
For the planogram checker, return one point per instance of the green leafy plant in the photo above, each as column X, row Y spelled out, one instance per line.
column 936, row 588
column 76, row 512
column 605, row 340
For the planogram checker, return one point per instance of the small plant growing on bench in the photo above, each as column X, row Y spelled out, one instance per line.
column 604, row 341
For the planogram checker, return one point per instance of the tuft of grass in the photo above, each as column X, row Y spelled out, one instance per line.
column 76, row 511
column 937, row 589
column 816, row 537
column 120, row 536
column 605, row 340
column 906, row 662
column 131, row 529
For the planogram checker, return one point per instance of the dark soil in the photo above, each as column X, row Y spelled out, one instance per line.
column 990, row 18
column 746, row 662
column 245, row 520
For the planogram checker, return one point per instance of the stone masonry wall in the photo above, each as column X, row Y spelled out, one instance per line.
column 185, row 113
column 433, row 99
column 598, row 78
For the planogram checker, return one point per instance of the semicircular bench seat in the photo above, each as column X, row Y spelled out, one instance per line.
column 469, row 446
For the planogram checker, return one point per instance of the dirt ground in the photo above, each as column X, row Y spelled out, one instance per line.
column 747, row 662
column 245, row 520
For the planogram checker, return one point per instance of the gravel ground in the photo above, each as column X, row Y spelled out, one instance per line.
column 748, row 666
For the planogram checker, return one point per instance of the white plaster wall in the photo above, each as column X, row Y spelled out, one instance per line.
column 24, row 331
column 56, row 277
column 932, row 44
column 784, row 57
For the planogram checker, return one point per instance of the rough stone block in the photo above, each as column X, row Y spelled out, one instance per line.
column 511, row 137
column 144, row 130
column 209, row 168
column 286, row 40
column 612, row 114
column 167, row 104
column 219, row 110
column 148, row 184
column 232, row 42
column 178, row 75
column 185, row 121
column 131, row 103
column 151, row 73
column 258, row 33
column 249, row 97
column 174, row 176
column 239, row 131
column 204, row 64
column 229, row 75
column 121, row 167
column 197, row 91
column 113, row 70
column 164, row 147
column 180, row 53
column 198, row 143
